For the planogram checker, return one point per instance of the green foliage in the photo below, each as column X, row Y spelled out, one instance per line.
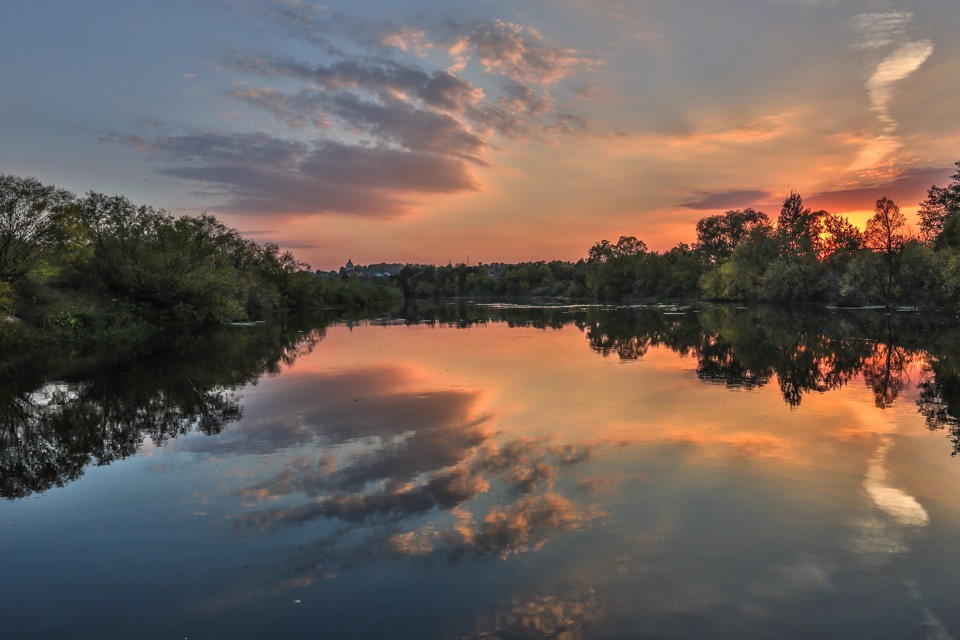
column 612, row 268
column 719, row 235
column 179, row 267
column 799, row 229
column 940, row 205
column 6, row 300
column 949, row 236
column 947, row 264
column 34, row 224
column 920, row 281
column 554, row 278
column 741, row 277
column 793, row 280
column 862, row 281
column 682, row 273
column 76, row 269
column 820, row 257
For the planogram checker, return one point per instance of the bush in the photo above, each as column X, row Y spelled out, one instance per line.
column 6, row 299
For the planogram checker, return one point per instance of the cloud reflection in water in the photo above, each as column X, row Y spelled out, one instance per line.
column 390, row 469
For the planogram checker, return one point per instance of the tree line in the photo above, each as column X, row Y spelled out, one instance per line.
column 94, row 261
column 98, row 262
column 802, row 256
column 744, row 255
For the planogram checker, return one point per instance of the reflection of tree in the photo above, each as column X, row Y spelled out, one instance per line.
column 806, row 349
column 815, row 362
column 626, row 347
column 629, row 333
column 939, row 399
column 885, row 373
column 59, row 415
column 740, row 348
column 718, row 362
column 462, row 313
column 938, row 403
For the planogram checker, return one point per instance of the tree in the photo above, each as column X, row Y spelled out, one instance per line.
column 33, row 224
column 612, row 268
column 740, row 277
column 719, row 235
column 684, row 272
column 840, row 237
column 183, row 267
column 840, row 243
column 626, row 246
column 885, row 235
column 949, row 236
column 799, row 228
column 886, row 231
column 940, row 205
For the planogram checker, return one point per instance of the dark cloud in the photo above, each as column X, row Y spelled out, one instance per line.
column 523, row 113
column 384, row 168
column 384, row 77
column 907, row 190
column 372, row 128
column 411, row 128
column 445, row 490
column 725, row 200
column 258, row 173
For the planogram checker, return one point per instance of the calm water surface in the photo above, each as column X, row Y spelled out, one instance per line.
column 491, row 472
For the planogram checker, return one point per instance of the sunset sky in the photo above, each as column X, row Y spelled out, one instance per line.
column 440, row 130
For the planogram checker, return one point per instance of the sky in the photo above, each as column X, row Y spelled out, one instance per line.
column 436, row 131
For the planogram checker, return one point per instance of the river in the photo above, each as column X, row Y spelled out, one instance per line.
column 471, row 470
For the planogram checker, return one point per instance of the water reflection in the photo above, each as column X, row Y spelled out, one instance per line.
column 564, row 616
column 61, row 414
column 939, row 400
column 745, row 348
column 404, row 472
column 505, row 471
column 380, row 464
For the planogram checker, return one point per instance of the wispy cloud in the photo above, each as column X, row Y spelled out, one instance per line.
column 895, row 67
column 881, row 32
